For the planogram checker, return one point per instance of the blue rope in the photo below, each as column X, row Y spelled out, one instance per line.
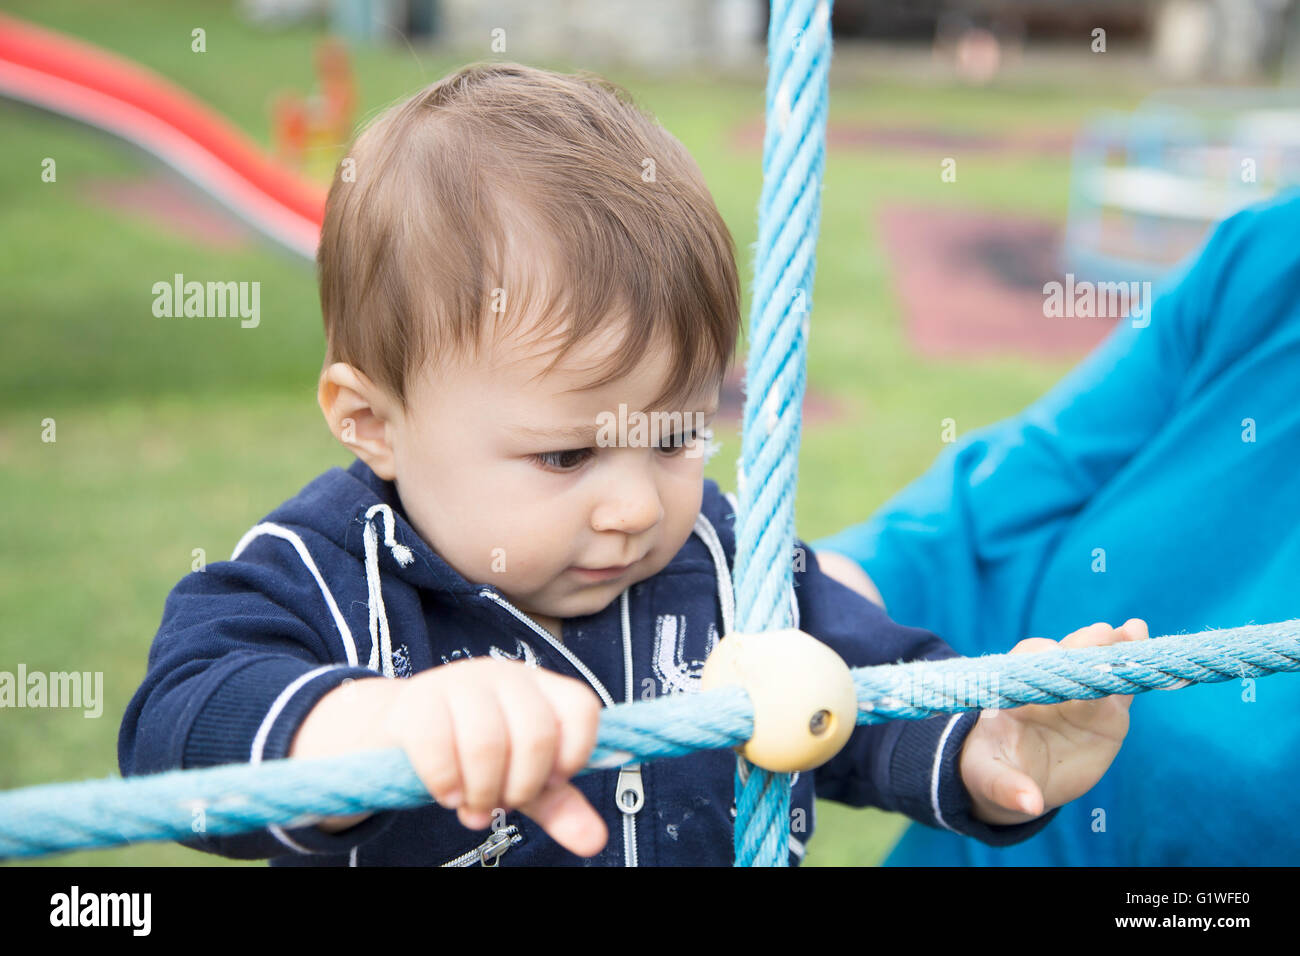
column 923, row 689
column 794, row 155
column 238, row 798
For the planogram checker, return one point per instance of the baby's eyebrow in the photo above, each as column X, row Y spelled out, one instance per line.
column 576, row 433
column 580, row 434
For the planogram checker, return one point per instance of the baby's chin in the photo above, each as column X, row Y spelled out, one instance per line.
column 573, row 594
column 583, row 600
column 592, row 600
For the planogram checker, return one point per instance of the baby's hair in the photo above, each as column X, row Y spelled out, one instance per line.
column 420, row 247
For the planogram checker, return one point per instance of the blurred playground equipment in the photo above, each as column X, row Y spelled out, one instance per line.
column 1146, row 186
column 311, row 131
column 82, row 82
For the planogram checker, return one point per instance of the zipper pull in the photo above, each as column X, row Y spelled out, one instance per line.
column 629, row 794
column 490, row 851
column 495, row 846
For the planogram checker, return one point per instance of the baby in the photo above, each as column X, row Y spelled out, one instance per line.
column 512, row 261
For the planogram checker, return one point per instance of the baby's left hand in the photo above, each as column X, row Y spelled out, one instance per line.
column 1019, row 763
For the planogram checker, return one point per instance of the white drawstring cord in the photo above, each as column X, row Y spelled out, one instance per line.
column 726, row 594
column 381, row 638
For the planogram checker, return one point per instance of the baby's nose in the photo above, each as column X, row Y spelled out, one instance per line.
column 630, row 508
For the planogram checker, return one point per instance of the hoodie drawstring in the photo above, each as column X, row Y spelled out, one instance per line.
column 381, row 638
column 726, row 593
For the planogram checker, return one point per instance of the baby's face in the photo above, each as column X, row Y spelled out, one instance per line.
column 509, row 477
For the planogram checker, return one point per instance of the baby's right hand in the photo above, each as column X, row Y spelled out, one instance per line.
column 486, row 734
column 481, row 734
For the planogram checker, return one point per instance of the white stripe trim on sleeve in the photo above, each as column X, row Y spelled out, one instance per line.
column 264, row 731
column 934, row 772
column 279, row 531
column 797, row 848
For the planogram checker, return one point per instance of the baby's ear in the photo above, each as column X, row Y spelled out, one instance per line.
column 358, row 413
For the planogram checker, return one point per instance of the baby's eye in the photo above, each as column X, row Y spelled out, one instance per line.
column 690, row 439
column 563, row 460
column 674, row 444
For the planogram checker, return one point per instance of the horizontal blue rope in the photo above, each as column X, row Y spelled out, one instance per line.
column 238, row 798
column 923, row 689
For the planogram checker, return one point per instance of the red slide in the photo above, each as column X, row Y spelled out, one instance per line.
column 83, row 82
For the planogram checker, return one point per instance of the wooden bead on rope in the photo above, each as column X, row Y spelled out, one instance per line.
column 805, row 705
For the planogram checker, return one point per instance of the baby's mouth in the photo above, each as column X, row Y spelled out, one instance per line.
column 601, row 574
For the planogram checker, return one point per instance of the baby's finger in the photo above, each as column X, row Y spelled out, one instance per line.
column 577, row 710
column 1013, row 790
column 566, row 816
column 432, row 751
column 1135, row 629
column 991, row 766
column 534, row 737
column 474, row 819
column 1034, row 645
column 1094, row 635
column 482, row 747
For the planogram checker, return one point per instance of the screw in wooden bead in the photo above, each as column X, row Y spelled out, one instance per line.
column 805, row 705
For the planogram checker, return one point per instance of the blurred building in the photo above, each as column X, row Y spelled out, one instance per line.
column 659, row 36
column 1188, row 40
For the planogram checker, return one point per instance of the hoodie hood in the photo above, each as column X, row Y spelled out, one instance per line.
column 361, row 514
column 352, row 507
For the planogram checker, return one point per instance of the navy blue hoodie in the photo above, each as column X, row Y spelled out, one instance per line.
column 336, row 584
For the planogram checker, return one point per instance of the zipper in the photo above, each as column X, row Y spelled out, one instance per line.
column 550, row 639
column 490, row 851
column 629, row 793
column 630, row 797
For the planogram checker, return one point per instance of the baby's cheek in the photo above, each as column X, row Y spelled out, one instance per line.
column 525, row 562
column 683, row 508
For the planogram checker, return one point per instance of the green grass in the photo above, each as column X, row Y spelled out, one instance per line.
column 178, row 434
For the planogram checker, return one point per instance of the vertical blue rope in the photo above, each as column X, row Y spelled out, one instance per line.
column 794, row 155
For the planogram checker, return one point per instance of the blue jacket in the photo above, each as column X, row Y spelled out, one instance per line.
column 246, row 648
column 1157, row 480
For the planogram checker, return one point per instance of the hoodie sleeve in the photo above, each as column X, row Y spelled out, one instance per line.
column 233, row 672
column 906, row 766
